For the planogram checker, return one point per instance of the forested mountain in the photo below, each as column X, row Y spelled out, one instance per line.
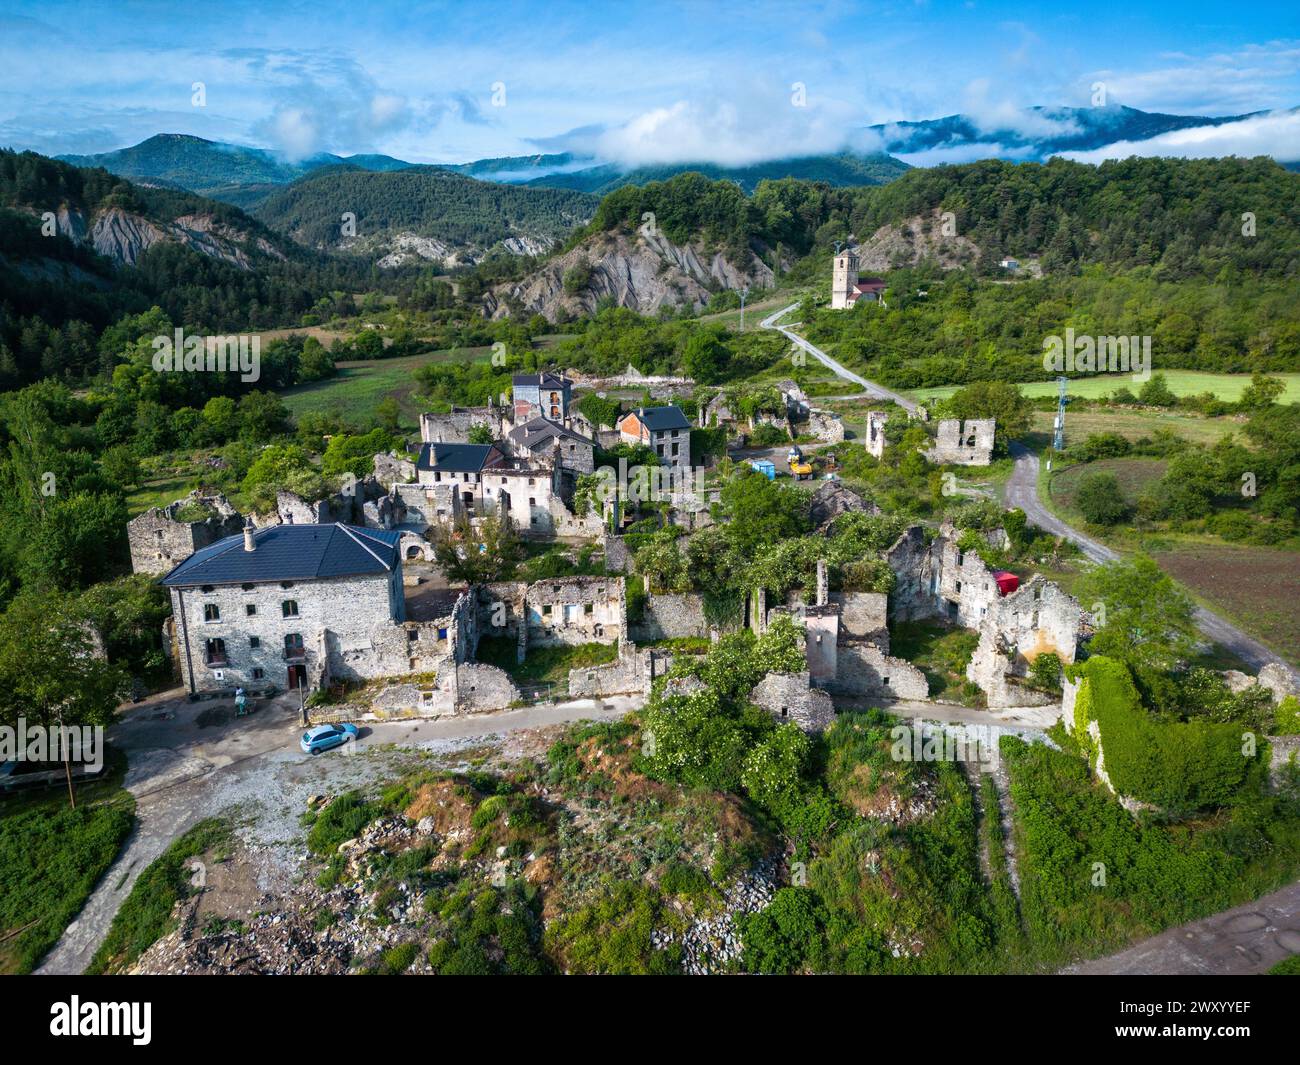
column 427, row 211
column 1041, row 132
column 1185, row 217
column 843, row 169
column 213, row 168
column 119, row 249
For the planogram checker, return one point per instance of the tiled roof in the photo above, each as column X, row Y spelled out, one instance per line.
column 538, row 430
column 290, row 553
column 454, row 458
column 657, row 419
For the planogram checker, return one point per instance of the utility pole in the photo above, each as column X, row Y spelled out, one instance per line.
column 1058, row 438
column 67, row 767
column 743, row 293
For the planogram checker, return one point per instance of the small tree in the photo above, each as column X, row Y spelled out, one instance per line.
column 1100, row 499
column 471, row 556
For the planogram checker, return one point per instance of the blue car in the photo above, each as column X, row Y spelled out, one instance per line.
column 323, row 737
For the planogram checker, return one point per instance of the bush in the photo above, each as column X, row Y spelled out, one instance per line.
column 1100, row 499
column 784, row 936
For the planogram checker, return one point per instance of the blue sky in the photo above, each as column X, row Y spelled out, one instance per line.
column 643, row 82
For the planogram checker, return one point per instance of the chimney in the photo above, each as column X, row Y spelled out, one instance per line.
column 249, row 543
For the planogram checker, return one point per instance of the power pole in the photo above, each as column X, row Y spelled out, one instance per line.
column 1058, row 439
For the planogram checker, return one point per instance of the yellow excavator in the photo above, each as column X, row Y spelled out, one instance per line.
column 799, row 466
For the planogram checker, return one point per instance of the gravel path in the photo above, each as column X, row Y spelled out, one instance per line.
column 188, row 761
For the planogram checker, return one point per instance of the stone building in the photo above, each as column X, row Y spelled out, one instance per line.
column 968, row 443
column 542, row 441
column 846, row 289
column 255, row 609
column 478, row 480
column 163, row 537
column 541, row 395
column 665, row 429
column 791, row 698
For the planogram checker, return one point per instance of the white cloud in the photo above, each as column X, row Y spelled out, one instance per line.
column 1276, row 133
column 752, row 126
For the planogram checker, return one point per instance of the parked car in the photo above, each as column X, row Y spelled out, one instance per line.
column 18, row 775
column 323, row 737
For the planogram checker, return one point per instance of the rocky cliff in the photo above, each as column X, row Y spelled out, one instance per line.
column 641, row 272
column 124, row 236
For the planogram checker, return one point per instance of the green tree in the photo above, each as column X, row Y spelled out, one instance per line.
column 1100, row 499
column 476, row 556
column 1148, row 619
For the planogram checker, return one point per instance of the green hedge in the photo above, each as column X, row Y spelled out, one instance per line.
column 1177, row 765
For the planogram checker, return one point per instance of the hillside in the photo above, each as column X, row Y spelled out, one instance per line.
column 213, row 168
column 840, row 170
column 422, row 213
column 121, row 221
column 1041, row 132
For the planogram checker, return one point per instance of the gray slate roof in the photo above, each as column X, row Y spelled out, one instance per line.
column 290, row 553
column 657, row 419
column 538, row 430
column 454, row 458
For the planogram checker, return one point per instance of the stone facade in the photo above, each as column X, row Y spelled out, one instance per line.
column 671, row 617
column 864, row 670
column 875, row 442
column 963, row 444
column 790, row 697
column 831, row 499
column 269, row 633
column 454, row 426
column 159, row 542
column 1035, row 619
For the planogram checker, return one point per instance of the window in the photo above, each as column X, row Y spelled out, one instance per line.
column 258, row 673
column 250, row 609
column 214, row 653
column 211, row 612
column 206, row 589
column 289, row 608
column 255, row 642
column 532, row 502
column 959, row 587
column 247, row 587
column 286, row 584
column 587, row 609
column 546, row 610
column 293, row 645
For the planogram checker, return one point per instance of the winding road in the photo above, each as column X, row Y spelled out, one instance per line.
column 1021, row 491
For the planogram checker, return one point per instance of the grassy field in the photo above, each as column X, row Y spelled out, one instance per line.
column 1135, row 424
column 1257, row 588
column 1133, row 474
column 51, row 858
column 1226, row 386
column 359, row 386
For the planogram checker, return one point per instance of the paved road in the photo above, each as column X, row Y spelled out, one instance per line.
column 1022, row 491
column 187, row 761
column 868, row 387
column 1250, row 939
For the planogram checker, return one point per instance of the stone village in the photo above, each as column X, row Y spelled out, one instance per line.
column 315, row 596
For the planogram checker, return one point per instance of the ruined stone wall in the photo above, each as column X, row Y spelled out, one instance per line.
column 964, row 583
column 159, row 543
column 631, row 673
column 911, row 560
column 671, row 617
column 863, row 616
column 454, row 427
column 789, row 697
column 1036, row 618
column 618, row 559
column 826, row 426
column 865, row 671
column 963, row 444
column 575, row 610
column 875, row 442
